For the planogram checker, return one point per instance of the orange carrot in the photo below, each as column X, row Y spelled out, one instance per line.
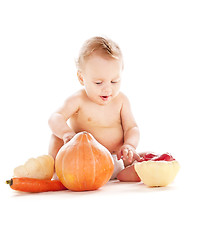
column 35, row 185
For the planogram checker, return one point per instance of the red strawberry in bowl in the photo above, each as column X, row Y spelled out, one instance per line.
column 157, row 157
column 163, row 157
column 148, row 156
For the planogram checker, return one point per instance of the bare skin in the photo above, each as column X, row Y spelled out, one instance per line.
column 101, row 109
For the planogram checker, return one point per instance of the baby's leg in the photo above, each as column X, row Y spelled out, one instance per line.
column 128, row 174
column 54, row 146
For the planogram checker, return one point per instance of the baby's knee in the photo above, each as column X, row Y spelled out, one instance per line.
column 128, row 175
column 54, row 145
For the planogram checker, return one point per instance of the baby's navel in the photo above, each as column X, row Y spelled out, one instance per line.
column 89, row 119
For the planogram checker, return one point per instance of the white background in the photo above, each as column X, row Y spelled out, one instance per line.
column 160, row 41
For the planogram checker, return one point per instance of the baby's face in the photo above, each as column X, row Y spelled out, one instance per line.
column 101, row 78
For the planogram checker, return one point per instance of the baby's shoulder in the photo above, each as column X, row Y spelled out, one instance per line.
column 122, row 98
column 75, row 99
column 77, row 96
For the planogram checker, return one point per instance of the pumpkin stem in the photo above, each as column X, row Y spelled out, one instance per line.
column 10, row 182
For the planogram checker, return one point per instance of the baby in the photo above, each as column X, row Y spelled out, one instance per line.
column 99, row 108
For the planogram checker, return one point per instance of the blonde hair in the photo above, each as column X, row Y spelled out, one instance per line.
column 105, row 46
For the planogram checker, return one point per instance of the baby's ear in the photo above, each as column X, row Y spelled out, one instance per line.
column 80, row 78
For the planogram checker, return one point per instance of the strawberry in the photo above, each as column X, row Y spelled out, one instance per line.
column 157, row 157
column 164, row 157
column 149, row 156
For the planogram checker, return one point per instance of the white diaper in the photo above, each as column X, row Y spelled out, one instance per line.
column 118, row 166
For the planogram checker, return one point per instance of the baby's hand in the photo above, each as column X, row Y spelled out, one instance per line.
column 68, row 136
column 128, row 153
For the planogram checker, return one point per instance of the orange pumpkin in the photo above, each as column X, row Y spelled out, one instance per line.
column 83, row 163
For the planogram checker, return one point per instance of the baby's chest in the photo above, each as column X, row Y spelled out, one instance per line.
column 100, row 117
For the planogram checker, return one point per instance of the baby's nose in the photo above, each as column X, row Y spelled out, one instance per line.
column 107, row 89
column 107, row 92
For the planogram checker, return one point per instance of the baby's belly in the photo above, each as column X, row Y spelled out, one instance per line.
column 110, row 137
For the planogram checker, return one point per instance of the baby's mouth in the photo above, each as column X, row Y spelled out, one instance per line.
column 104, row 98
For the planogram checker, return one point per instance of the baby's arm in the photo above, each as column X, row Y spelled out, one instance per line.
column 58, row 120
column 131, row 134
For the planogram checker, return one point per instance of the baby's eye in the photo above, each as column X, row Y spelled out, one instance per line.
column 98, row 83
column 113, row 82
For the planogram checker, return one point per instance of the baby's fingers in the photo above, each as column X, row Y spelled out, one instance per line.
column 130, row 156
column 125, row 153
column 137, row 157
